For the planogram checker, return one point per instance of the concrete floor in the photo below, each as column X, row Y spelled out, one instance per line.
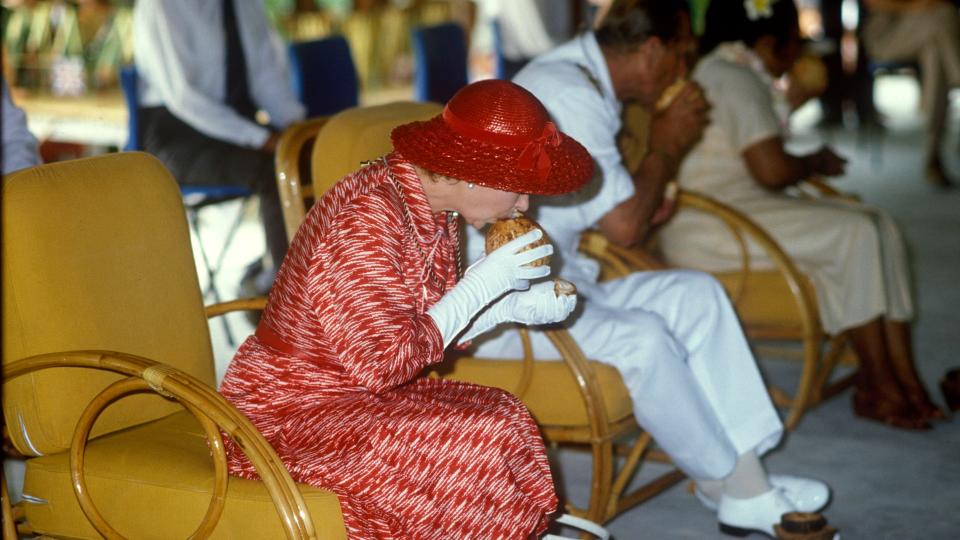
column 887, row 484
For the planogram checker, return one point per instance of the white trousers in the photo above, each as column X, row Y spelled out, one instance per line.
column 678, row 345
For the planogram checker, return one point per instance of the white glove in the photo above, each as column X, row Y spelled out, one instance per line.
column 486, row 279
column 538, row 305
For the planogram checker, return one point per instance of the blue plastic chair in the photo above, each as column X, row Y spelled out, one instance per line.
column 323, row 75
column 499, row 60
column 195, row 197
column 439, row 62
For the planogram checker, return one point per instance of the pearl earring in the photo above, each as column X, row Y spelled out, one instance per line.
column 470, row 185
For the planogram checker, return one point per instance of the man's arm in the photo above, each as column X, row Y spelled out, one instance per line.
column 673, row 133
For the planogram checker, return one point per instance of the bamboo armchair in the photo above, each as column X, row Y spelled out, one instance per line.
column 599, row 413
column 774, row 305
column 99, row 280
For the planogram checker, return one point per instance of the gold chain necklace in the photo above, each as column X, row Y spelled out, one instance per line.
column 408, row 222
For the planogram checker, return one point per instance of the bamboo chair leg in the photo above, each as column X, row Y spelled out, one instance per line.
column 9, row 528
column 602, row 481
column 805, row 390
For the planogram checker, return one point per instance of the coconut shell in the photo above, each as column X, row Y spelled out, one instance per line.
column 668, row 95
column 505, row 230
column 562, row 287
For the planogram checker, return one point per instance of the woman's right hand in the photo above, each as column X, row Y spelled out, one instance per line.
column 506, row 268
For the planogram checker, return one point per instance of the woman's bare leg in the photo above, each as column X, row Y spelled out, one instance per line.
column 879, row 394
column 900, row 347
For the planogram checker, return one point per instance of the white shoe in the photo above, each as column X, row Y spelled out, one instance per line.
column 740, row 517
column 806, row 494
column 584, row 525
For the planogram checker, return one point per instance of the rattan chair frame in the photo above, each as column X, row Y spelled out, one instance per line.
column 820, row 354
column 295, row 189
column 212, row 411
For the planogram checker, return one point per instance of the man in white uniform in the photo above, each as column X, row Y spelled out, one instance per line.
column 672, row 335
column 205, row 68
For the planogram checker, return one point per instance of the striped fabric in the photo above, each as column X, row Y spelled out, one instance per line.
column 347, row 406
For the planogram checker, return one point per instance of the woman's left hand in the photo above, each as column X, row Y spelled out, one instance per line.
column 537, row 305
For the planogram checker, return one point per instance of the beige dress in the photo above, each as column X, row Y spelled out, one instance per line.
column 854, row 254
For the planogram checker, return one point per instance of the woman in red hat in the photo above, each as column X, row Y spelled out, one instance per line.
column 368, row 296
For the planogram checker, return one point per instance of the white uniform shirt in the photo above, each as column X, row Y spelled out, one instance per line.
column 19, row 145
column 743, row 113
column 181, row 61
column 574, row 84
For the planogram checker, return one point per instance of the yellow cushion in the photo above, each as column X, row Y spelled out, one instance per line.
column 154, row 481
column 96, row 255
column 553, row 396
column 766, row 300
column 360, row 134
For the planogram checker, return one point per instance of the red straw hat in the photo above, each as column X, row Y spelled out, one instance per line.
column 497, row 134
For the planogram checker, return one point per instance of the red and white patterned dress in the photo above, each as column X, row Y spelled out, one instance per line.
column 334, row 377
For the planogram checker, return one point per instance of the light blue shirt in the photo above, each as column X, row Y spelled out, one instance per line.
column 181, row 59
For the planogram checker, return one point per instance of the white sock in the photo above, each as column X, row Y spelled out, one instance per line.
column 748, row 478
column 711, row 489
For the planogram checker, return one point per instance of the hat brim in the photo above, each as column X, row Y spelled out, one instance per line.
column 431, row 144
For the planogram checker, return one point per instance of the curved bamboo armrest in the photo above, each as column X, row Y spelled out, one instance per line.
column 617, row 261
column 212, row 410
column 740, row 225
column 590, row 390
column 821, row 188
column 240, row 304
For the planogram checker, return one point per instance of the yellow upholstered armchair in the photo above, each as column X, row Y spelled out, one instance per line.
column 596, row 412
column 776, row 305
column 105, row 343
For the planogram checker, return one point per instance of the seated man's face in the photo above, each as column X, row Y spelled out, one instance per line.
column 669, row 61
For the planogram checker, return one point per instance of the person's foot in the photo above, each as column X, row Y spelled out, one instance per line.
column 950, row 387
column 741, row 517
column 581, row 524
column 936, row 174
column 806, row 494
column 895, row 413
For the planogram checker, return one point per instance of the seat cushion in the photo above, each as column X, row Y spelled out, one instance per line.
column 155, row 481
column 360, row 134
column 766, row 300
column 96, row 256
column 553, row 396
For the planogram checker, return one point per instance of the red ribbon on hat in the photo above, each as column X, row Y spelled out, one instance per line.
column 533, row 155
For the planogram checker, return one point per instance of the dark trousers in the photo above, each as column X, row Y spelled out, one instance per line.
column 856, row 87
column 196, row 159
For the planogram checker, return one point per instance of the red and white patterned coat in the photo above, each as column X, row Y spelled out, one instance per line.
column 334, row 377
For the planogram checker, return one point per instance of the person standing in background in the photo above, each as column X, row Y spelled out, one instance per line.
column 206, row 67
column 928, row 32
column 855, row 87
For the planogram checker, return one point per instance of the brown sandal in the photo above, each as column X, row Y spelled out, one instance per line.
column 898, row 415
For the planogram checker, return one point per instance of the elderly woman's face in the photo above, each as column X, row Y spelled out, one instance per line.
column 482, row 205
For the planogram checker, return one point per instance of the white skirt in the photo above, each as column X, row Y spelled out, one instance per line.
column 855, row 255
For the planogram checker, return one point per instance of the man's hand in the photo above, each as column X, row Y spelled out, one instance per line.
column 675, row 130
